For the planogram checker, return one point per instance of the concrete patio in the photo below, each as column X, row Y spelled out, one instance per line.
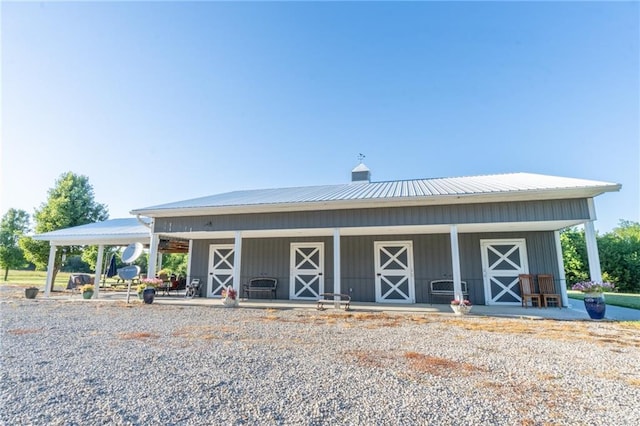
column 575, row 312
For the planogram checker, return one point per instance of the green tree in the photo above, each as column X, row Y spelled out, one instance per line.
column 75, row 263
column 620, row 256
column 15, row 223
column 176, row 263
column 90, row 255
column 70, row 203
column 574, row 255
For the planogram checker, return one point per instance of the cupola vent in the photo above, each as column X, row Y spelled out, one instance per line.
column 361, row 174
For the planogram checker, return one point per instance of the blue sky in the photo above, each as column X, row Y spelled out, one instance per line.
column 159, row 102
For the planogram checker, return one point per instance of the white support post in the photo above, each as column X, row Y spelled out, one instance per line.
column 455, row 263
column 237, row 258
column 561, row 275
column 52, row 261
column 592, row 244
column 189, row 261
column 153, row 255
column 337, row 285
column 592, row 252
column 98, row 273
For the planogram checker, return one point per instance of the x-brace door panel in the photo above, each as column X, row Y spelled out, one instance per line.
column 221, row 264
column 307, row 271
column 394, row 272
column 502, row 262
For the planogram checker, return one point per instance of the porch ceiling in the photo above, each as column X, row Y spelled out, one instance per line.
column 382, row 230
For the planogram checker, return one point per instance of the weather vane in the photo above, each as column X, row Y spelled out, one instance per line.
column 361, row 157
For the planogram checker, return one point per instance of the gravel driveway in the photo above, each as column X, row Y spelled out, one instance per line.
column 89, row 363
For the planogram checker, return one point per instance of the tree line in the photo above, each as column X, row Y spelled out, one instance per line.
column 619, row 252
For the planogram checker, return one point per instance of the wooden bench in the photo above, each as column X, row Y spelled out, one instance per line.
column 445, row 288
column 329, row 298
column 261, row 285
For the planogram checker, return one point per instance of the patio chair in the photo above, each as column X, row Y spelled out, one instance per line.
column 193, row 289
column 548, row 290
column 528, row 291
column 174, row 285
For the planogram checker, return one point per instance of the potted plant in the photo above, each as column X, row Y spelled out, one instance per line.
column 148, row 289
column 229, row 297
column 594, row 302
column 87, row 291
column 31, row 292
column 460, row 307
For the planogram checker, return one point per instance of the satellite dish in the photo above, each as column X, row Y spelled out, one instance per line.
column 131, row 252
column 129, row 272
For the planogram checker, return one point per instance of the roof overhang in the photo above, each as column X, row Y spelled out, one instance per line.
column 381, row 230
column 555, row 194
column 94, row 240
column 112, row 232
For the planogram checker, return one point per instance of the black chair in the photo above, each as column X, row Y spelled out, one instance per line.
column 193, row 289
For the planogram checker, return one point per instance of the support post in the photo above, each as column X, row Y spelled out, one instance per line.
column 592, row 244
column 153, row 255
column 98, row 273
column 561, row 275
column 237, row 261
column 337, row 285
column 189, row 261
column 455, row 263
column 52, row 261
column 592, row 252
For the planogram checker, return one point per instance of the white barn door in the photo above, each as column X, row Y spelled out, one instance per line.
column 306, row 280
column 221, row 263
column 502, row 262
column 394, row 272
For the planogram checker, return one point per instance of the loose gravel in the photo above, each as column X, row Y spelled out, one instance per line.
column 94, row 363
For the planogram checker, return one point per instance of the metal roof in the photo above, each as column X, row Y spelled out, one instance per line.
column 487, row 187
column 109, row 232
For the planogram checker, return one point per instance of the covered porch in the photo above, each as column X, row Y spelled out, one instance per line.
column 386, row 264
column 110, row 233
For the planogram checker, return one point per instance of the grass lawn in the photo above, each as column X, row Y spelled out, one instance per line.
column 626, row 300
column 38, row 279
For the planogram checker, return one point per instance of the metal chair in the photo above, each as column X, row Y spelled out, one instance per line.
column 548, row 290
column 193, row 289
column 528, row 291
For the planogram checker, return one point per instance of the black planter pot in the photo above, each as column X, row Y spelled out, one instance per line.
column 595, row 305
column 30, row 293
column 148, row 294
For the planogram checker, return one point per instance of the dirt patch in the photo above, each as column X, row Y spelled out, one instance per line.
column 439, row 366
column 138, row 335
column 22, row 331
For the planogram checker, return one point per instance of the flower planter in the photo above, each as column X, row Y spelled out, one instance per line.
column 228, row 302
column 148, row 294
column 87, row 294
column 31, row 292
column 595, row 305
column 460, row 309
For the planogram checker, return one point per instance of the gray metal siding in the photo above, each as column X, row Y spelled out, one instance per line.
column 263, row 257
column 541, row 257
column 432, row 261
column 524, row 211
column 200, row 260
column 431, row 254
